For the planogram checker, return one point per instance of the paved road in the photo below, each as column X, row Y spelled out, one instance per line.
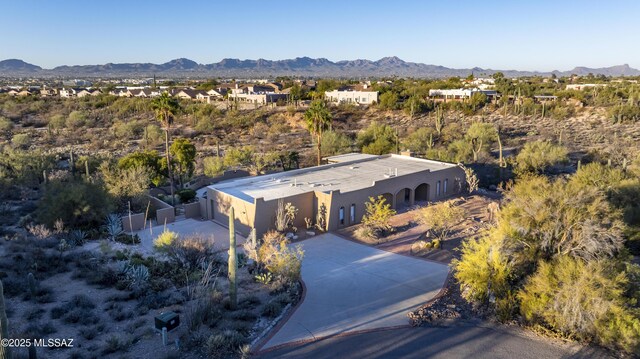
column 439, row 342
column 352, row 287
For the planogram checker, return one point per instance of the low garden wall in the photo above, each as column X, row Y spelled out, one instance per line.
column 165, row 215
column 192, row 210
column 132, row 223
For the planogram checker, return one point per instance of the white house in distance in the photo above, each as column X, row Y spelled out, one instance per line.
column 348, row 96
column 459, row 94
column 258, row 94
column 580, row 87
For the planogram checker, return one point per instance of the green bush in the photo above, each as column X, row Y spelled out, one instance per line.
column 186, row 195
column 584, row 299
column 538, row 156
column 79, row 204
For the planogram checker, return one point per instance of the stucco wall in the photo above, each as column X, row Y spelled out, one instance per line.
column 392, row 186
column 165, row 215
column 192, row 210
column 135, row 222
column 262, row 214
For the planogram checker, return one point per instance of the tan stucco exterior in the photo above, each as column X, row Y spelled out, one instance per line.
column 400, row 191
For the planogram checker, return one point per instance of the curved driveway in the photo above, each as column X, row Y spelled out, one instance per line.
column 352, row 287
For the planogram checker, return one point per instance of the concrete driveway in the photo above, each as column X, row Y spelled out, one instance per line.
column 208, row 229
column 352, row 287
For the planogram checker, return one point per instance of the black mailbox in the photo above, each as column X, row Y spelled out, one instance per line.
column 169, row 320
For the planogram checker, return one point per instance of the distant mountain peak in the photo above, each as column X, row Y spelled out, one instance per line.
column 299, row 66
column 18, row 65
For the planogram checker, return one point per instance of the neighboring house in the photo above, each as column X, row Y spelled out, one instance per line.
column 65, row 92
column 24, row 93
column 580, row 87
column 83, row 93
column 544, row 98
column 339, row 189
column 257, row 94
column 438, row 95
column 45, row 92
column 218, row 93
column 349, row 96
column 190, row 94
column 120, row 92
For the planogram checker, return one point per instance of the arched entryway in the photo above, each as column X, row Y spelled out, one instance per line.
column 403, row 198
column 422, row 192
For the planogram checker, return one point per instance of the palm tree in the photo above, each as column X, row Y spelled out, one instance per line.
column 318, row 118
column 166, row 108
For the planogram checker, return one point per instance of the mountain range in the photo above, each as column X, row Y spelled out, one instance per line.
column 300, row 66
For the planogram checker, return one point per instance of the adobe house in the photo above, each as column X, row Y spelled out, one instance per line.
column 341, row 187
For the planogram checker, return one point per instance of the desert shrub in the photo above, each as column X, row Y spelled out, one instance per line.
column 420, row 140
column 206, row 309
column 441, row 217
column 58, row 122
column 335, row 143
column 164, row 240
column 377, row 139
column 482, row 271
column 33, row 314
column 555, row 256
column 21, row 140
column 583, row 299
column 115, row 344
column 57, row 312
column 191, row 251
column 81, row 301
column 538, row 156
column 214, row 166
column 118, row 313
column 243, row 314
column 272, row 309
column 5, row 124
column 82, row 316
column 186, row 195
column 364, row 233
column 40, row 329
column 89, row 333
column 248, row 301
column 127, row 185
column 276, row 255
column 378, row 213
column 79, row 204
column 224, row 343
column 14, row 286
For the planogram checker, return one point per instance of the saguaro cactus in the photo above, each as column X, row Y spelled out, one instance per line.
column 4, row 326
column 31, row 280
column 439, row 120
column 233, row 260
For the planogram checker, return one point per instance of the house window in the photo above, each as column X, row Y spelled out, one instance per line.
column 438, row 189
column 352, row 213
column 341, row 215
column 446, row 183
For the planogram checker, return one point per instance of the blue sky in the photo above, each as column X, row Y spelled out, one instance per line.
column 536, row 35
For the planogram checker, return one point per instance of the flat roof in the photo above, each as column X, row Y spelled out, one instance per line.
column 345, row 176
column 353, row 156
